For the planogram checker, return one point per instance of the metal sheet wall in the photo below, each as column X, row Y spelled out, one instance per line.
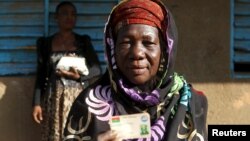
column 240, row 38
column 23, row 21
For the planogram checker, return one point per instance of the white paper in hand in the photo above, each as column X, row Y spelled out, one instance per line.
column 77, row 62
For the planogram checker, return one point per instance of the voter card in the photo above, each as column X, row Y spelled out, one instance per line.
column 131, row 126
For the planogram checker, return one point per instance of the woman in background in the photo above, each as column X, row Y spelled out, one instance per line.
column 56, row 89
column 141, row 45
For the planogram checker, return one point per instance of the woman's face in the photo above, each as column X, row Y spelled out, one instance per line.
column 138, row 52
column 66, row 17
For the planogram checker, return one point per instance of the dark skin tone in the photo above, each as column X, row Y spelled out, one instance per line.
column 63, row 41
column 137, row 52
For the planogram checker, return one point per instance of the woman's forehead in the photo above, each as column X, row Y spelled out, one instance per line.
column 142, row 29
column 67, row 7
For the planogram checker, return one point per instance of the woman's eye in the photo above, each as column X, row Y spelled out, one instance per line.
column 148, row 43
column 63, row 13
column 124, row 43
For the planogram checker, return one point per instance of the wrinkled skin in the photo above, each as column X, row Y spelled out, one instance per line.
column 138, row 52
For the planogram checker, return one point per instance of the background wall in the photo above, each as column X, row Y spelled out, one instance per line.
column 203, row 58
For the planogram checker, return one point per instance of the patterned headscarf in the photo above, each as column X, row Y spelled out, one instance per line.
column 139, row 12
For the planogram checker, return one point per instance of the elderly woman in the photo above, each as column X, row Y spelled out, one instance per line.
column 141, row 43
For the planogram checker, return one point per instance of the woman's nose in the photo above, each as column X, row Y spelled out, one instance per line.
column 136, row 52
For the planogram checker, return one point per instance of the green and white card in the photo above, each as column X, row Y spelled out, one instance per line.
column 131, row 126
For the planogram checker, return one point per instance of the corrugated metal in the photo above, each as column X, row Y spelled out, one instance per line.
column 23, row 21
column 20, row 25
column 241, row 38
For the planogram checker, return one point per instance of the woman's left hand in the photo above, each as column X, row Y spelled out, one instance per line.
column 72, row 73
column 108, row 136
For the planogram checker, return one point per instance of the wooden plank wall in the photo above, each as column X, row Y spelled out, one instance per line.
column 23, row 21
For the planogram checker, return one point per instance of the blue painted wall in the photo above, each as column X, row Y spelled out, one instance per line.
column 240, row 38
column 23, row 21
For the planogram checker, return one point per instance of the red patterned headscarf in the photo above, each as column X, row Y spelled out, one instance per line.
column 139, row 12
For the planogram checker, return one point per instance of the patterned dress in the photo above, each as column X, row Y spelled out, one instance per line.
column 60, row 95
column 55, row 95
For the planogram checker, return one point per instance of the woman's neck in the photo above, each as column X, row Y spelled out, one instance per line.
column 149, row 86
column 65, row 34
column 64, row 41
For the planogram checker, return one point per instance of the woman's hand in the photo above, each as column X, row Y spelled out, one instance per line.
column 37, row 114
column 108, row 136
column 72, row 73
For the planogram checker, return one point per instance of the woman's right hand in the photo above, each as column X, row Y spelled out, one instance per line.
column 37, row 114
column 108, row 136
column 71, row 74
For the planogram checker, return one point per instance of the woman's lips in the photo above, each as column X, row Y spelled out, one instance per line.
column 138, row 70
column 70, row 22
